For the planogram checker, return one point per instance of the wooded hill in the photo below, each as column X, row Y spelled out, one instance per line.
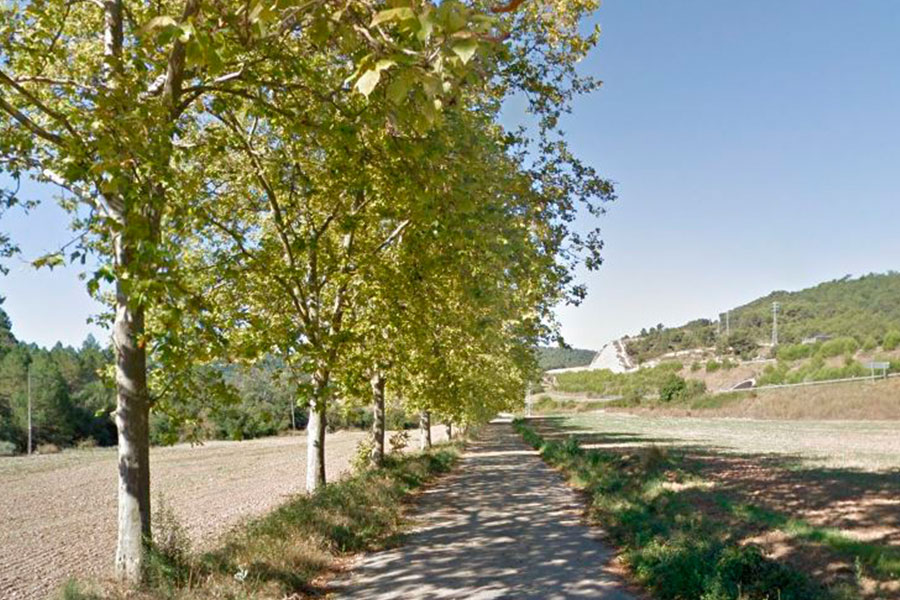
column 865, row 308
column 562, row 358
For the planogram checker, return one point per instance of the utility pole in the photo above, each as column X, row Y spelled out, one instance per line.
column 719, row 326
column 727, row 323
column 775, row 307
column 29, row 407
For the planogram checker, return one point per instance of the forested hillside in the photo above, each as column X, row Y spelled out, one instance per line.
column 70, row 400
column 561, row 358
column 866, row 308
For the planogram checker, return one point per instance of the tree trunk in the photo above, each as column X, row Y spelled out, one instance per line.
column 377, row 382
column 315, row 435
column 132, row 422
column 425, row 430
column 449, row 430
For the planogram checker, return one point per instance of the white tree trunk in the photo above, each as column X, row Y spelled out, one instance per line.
column 425, row 430
column 132, row 422
column 315, row 436
column 377, row 383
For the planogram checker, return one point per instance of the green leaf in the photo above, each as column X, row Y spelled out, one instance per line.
column 392, row 14
column 399, row 88
column 465, row 50
column 426, row 27
column 51, row 260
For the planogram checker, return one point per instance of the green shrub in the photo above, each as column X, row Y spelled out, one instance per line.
column 891, row 340
column 792, row 352
column 837, row 347
column 672, row 388
column 362, row 454
column 712, row 365
column 7, row 448
column 696, row 366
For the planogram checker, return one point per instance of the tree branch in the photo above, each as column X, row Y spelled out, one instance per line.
column 29, row 124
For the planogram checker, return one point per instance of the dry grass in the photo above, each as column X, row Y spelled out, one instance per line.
column 877, row 400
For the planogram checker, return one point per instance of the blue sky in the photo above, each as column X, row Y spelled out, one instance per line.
column 755, row 146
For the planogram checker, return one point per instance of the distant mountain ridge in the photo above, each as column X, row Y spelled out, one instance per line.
column 865, row 308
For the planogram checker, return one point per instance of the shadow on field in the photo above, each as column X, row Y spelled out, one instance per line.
column 502, row 526
column 778, row 502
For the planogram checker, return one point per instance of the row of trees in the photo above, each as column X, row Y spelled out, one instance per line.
column 321, row 183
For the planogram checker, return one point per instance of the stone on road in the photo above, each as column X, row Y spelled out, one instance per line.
column 503, row 525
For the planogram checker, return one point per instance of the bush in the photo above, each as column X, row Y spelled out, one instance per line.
column 362, row 456
column 696, row 366
column 838, row 346
column 48, row 449
column 891, row 340
column 793, row 352
column 86, row 443
column 7, row 448
column 712, row 365
column 672, row 388
column 399, row 441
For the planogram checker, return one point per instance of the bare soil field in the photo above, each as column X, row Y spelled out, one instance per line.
column 841, row 477
column 58, row 512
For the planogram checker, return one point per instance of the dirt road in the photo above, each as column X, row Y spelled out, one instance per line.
column 57, row 512
column 503, row 525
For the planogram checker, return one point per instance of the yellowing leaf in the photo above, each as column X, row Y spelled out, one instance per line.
column 157, row 23
column 367, row 82
column 465, row 50
column 392, row 14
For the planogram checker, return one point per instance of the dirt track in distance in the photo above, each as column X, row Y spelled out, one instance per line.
column 58, row 512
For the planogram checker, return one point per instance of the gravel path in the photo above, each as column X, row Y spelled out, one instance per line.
column 503, row 525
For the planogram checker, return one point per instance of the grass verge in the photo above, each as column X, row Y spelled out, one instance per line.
column 281, row 554
column 879, row 560
column 672, row 538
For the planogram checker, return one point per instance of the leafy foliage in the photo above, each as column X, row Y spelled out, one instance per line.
column 71, row 398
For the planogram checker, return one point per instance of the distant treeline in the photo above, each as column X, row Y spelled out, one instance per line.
column 561, row 358
column 70, row 399
column 866, row 309
column 73, row 400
